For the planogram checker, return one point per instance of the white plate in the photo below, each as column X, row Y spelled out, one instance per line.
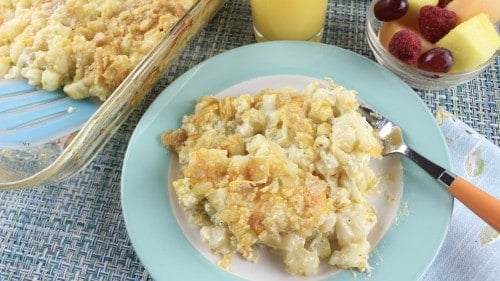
column 270, row 267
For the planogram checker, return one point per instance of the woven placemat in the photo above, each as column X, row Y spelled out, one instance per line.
column 74, row 230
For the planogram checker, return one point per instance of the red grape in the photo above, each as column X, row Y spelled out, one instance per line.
column 436, row 60
column 387, row 10
column 443, row 3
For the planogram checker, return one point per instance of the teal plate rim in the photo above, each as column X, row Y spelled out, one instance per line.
column 407, row 249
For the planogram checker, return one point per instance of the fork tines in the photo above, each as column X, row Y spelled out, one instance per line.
column 373, row 117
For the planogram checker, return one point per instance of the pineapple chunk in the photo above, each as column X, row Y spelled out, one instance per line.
column 411, row 16
column 472, row 43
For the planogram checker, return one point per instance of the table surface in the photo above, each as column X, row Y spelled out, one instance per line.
column 74, row 230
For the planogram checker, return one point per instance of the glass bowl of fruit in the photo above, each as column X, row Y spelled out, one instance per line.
column 434, row 44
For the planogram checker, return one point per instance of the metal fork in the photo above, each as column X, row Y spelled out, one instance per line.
column 481, row 203
column 29, row 116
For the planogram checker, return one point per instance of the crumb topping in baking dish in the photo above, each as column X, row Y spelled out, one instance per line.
column 86, row 47
column 286, row 169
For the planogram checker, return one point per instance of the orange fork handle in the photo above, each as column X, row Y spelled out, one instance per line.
column 481, row 203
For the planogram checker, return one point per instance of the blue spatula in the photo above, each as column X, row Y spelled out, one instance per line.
column 29, row 116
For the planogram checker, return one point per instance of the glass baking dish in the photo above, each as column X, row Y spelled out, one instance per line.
column 57, row 160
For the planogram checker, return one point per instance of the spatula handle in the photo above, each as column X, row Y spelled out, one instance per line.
column 481, row 203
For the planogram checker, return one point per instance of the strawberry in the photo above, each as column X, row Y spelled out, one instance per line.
column 435, row 22
column 405, row 45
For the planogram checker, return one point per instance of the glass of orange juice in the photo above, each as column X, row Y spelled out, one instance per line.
column 288, row 19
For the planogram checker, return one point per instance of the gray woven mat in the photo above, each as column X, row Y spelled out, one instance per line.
column 74, row 230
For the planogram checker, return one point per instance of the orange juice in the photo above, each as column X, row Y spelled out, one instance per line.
column 288, row 19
